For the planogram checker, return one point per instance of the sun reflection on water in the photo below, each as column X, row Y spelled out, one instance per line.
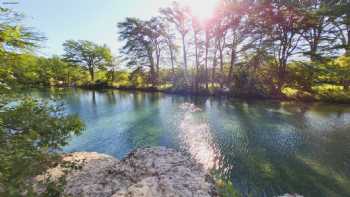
column 196, row 137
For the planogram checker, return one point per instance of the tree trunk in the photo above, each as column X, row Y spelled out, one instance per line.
column 152, row 76
column 315, row 41
column 112, row 75
column 92, row 73
column 184, row 51
column 347, row 50
column 214, row 67
column 281, row 76
column 172, row 61
column 68, row 79
column 152, row 69
column 313, row 56
column 232, row 63
column 346, row 85
column 221, row 56
column 158, row 53
column 206, row 60
column 196, row 81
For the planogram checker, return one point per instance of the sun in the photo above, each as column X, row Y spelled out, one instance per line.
column 202, row 9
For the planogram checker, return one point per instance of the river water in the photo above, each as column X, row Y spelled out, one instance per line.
column 265, row 148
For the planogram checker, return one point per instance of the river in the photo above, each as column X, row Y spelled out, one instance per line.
column 265, row 148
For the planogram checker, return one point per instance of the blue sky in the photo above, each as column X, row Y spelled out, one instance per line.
column 93, row 20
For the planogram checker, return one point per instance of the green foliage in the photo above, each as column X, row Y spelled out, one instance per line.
column 137, row 78
column 327, row 80
column 224, row 186
column 30, row 70
column 13, row 35
column 87, row 54
column 31, row 131
column 336, row 71
column 302, row 75
column 121, row 79
column 61, row 72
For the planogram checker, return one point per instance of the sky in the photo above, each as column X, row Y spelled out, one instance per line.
column 93, row 20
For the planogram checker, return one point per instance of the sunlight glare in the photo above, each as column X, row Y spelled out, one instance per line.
column 202, row 9
column 197, row 138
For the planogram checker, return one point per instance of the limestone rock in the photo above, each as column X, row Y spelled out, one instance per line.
column 144, row 172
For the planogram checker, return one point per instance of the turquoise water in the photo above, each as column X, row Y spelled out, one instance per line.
column 265, row 148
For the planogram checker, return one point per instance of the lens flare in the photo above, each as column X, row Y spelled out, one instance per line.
column 202, row 9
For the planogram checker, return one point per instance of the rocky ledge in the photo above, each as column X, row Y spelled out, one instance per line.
column 144, row 172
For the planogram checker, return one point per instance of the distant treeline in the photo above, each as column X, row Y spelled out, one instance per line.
column 264, row 48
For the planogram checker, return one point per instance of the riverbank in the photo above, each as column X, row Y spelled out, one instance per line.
column 289, row 94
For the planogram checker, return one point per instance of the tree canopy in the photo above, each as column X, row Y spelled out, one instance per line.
column 87, row 54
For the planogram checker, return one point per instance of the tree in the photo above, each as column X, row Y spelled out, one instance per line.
column 206, row 56
column 14, row 39
column 281, row 27
column 87, row 54
column 31, row 131
column 197, row 30
column 220, row 31
column 170, row 40
column 180, row 17
column 157, row 35
column 233, row 33
column 144, row 42
column 318, row 31
column 112, row 68
column 340, row 15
